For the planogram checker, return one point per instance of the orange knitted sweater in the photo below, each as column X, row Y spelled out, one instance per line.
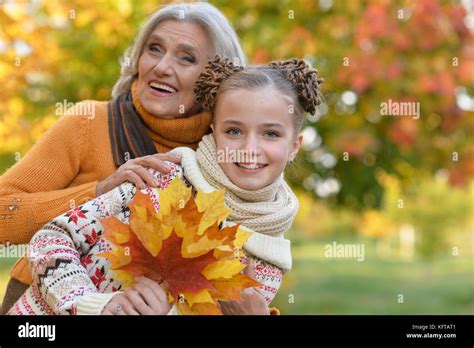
column 64, row 167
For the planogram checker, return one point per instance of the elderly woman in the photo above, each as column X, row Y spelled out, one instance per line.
column 152, row 112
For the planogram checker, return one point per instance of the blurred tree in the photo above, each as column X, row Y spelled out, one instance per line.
column 369, row 52
column 432, row 207
column 56, row 51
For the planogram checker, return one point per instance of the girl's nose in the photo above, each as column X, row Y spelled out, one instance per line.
column 251, row 144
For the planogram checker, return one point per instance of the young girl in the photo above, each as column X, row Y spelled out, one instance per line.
column 258, row 113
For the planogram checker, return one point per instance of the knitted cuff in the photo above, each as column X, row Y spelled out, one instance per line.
column 93, row 304
column 275, row 250
column 192, row 172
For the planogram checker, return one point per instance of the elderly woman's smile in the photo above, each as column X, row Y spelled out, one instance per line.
column 162, row 89
column 169, row 65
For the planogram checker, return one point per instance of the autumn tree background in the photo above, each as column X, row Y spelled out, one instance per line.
column 401, row 186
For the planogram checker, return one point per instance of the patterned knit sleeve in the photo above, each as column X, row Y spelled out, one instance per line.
column 56, row 251
column 269, row 275
column 60, row 252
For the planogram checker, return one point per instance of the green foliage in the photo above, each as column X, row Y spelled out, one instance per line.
column 433, row 208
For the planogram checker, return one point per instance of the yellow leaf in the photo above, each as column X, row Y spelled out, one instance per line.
column 127, row 279
column 199, row 308
column 223, row 269
column 201, row 247
column 214, row 209
column 230, row 289
column 241, row 237
column 144, row 224
column 174, row 197
column 202, row 296
column 145, row 231
column 118, row 257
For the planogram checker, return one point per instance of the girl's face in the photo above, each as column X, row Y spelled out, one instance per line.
column 255, row 136
column 172, row 60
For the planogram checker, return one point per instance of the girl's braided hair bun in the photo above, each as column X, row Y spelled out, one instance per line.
column 304, row 79
column 208, row 83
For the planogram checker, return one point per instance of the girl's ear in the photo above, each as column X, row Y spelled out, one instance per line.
column 295, row 147
column 212, row 126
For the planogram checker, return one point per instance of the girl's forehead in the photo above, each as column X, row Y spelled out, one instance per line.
column 260, row 96
column 254, row 107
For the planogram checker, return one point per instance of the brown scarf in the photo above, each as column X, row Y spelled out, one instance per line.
column 134, row 132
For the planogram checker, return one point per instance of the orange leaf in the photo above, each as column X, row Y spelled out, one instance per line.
column 230, row 289
column 199, row 308
column 115, row 231
column 178, row 274
column 145, row 225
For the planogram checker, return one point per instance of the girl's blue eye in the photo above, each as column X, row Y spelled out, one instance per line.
column 233, row 131
column 272, row 134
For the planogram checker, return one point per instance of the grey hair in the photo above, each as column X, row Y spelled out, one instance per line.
column 224, row 39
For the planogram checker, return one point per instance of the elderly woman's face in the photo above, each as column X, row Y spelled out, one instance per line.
column 172, row 60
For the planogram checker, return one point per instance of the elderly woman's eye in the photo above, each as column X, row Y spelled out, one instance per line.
column 154, row 48
column 189, row 59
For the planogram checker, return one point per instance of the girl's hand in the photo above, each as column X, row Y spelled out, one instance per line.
column 135, row 172
column 119, row 305
column 148, row 297
column 251, row 302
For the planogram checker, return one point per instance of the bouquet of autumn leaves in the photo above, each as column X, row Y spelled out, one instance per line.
column 182, row 247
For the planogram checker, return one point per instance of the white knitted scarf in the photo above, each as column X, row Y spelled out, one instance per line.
column 268, row 211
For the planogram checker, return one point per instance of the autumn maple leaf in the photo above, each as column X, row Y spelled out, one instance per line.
column 182, row 247
column 177, row 274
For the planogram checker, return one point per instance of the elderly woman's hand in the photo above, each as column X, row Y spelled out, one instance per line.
column 251, row 302
column 135, row 172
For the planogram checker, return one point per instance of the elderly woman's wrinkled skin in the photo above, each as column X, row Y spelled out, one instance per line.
column 175, row 55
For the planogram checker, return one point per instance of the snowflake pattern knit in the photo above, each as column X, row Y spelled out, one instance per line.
column 69, row 277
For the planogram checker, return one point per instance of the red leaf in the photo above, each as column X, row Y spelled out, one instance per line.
column 177, row 273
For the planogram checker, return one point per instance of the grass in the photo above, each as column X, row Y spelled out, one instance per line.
column 321, row 285
column 5, row 265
